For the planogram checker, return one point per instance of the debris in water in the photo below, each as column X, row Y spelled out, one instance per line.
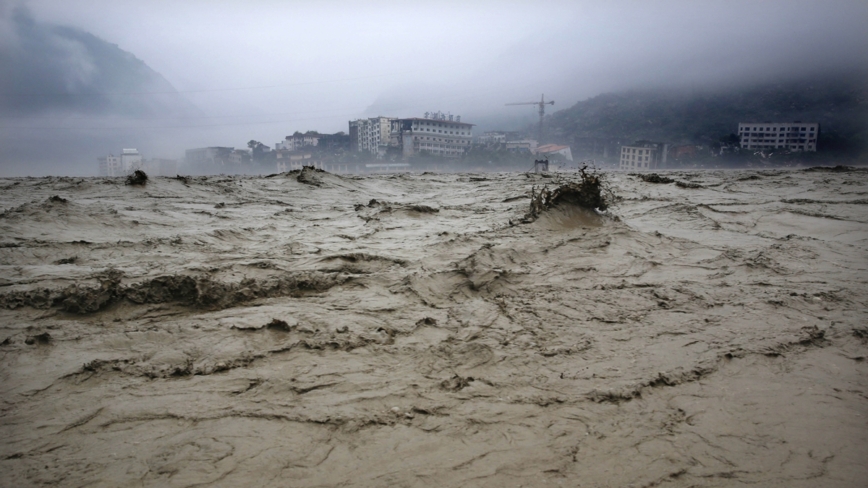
column 43, row 338
column 589, row 192
column 423, row 209
column 138, row 178
column 687, row 184
column 309, row 176
column 655, row 178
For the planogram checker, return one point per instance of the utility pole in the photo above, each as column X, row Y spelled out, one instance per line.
column 542, row 112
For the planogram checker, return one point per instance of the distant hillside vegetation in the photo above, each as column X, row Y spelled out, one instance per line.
column 840, row 105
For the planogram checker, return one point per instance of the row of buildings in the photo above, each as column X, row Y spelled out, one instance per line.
column 436, row 133
column 440, row 135
column 788, row 136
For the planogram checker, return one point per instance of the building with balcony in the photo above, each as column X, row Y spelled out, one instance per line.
column 444, row 137
column 795, row 136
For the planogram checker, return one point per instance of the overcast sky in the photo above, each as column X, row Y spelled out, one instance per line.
column 261, row 69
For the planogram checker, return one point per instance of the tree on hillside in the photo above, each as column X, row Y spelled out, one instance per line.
column 257, row 149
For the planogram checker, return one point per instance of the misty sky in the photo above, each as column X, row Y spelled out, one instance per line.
column 261, row 69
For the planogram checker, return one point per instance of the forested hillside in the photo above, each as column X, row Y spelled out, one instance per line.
column 703, row 116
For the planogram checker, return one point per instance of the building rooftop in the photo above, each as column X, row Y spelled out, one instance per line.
column 437, row 120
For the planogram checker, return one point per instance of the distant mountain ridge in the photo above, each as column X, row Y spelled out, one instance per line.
column 51, row 68
column 839, row 104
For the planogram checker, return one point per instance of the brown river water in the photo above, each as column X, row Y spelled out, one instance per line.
column 315, row 330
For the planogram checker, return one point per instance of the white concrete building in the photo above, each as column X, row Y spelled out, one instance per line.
column 445, row 138
column 643, row 156
column 370, row 135
column 131, row 160
column 795, row 136
column 492, row 137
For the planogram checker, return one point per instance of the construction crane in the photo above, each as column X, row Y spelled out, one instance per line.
column 542, row 112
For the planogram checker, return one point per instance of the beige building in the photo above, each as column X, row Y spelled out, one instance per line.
column 643, row 156
column 795, row 136
column 110, row 166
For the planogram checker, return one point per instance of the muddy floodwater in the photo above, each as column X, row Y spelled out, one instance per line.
column 310, row 329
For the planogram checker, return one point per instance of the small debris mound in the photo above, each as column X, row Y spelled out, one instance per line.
column 183, row 179
column 138, row 178
column 308, row 175
column 655, row 178
column 277, row 324
column 43, row 338
column 423, row 209
column 456, row 383
column 589, row 192
column 57, row 199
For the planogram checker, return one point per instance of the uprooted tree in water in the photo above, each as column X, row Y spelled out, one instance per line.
column 137, row 178
column 589, row 192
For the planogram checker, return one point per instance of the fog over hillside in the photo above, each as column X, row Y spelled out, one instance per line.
column 81, row 80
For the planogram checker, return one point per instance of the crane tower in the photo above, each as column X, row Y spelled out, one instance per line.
column 542, row 112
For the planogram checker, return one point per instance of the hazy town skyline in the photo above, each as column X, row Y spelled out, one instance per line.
column 263, row 69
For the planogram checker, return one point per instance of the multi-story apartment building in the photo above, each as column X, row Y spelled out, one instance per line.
column 370, row 135
column 111, row 165
column 795, row 136
column 439, row 137
column 643, row 155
